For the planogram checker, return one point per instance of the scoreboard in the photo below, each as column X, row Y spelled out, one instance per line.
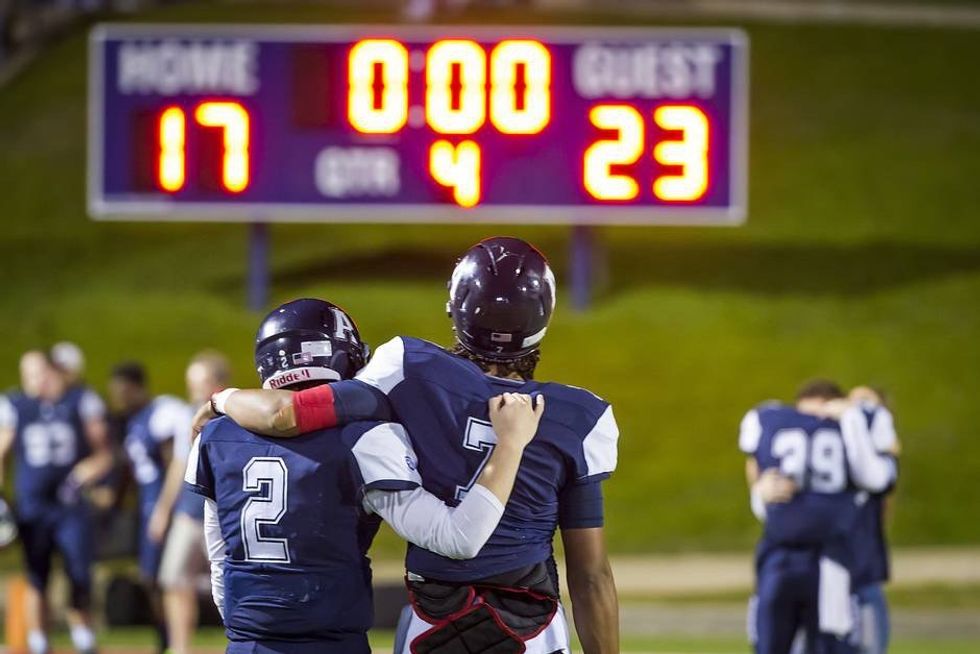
column 407, row 124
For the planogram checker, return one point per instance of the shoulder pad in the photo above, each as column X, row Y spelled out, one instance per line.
column 386, row 369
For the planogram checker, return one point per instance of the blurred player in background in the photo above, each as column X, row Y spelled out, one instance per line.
column 870, row 565
column 807, row 463
column 60, row 447
column 502, row 296
column 289, row 523
column 70, row 359
column 154, row 423
column 184, row 556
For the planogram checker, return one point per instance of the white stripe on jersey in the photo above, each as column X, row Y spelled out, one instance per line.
column 750, row 432
column 384, row 453
column 190, row 476
column 8, row 414
column 601, row 445
column 386, row 369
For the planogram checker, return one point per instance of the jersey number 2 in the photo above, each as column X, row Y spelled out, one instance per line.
column 479, row 437
column 269, row 477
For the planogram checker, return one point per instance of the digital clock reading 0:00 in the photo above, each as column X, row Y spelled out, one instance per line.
column 396, row 124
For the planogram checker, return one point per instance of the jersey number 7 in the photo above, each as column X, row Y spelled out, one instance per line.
column 479, row 437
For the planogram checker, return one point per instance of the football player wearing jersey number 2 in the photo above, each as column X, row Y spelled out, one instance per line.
column 288, row 523
column 501, row 299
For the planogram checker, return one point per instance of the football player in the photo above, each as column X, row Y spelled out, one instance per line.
column 69, row 360
column 152, row 426
column 806, row 465
column 288, row 522
column 501, row 299
column 184, row 555
column 870, row 547
column 59, row 444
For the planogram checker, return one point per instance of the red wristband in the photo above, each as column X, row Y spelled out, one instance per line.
column 314, row 409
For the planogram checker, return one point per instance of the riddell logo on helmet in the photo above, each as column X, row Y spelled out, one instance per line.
column 290, row 378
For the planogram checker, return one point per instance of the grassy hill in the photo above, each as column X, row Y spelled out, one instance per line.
column 860, row 260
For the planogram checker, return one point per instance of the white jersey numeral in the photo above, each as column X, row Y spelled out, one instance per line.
column 269, row 477
column 144, row 468
column 829, row 474
column 817, row 463
column 479, row 437
column 49, row 444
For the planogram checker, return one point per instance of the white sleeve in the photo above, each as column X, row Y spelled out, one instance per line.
column 386, row 459
column 91, row 406
column 750, row 432
column 170, row 419
column 601, row 445
column 758, row 506
column 217, row 552
column 424, row 520
column 883, row 431
column 183, row 432
column 386, row 369
column 870, row 470
column 8, row 414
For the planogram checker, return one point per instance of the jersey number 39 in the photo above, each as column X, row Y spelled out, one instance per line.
column 816, row 463
column 269, row 478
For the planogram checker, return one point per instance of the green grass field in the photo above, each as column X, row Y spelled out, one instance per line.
column 133, row 640
column 860, row 260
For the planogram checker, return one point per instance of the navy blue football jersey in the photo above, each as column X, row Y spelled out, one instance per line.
column 160, row 421
column 441, row 399
column 49, row 439
column 811, row 451
column 869, row 545
column 292, row 530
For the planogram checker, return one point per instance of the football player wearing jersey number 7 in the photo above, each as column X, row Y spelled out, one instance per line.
column 288, row 523
column 501, row 298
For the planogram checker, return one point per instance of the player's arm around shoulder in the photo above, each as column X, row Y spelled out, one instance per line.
column 871, row 469
column 284, row 414
column 263, row 411
column 393, row 489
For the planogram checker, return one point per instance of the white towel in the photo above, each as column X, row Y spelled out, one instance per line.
column 834, row 603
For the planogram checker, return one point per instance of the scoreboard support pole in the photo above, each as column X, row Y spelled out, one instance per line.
column 582, row 258
column 258, row 266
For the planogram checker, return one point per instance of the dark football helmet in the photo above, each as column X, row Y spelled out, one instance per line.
column 306, row 341
column 501, row 297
